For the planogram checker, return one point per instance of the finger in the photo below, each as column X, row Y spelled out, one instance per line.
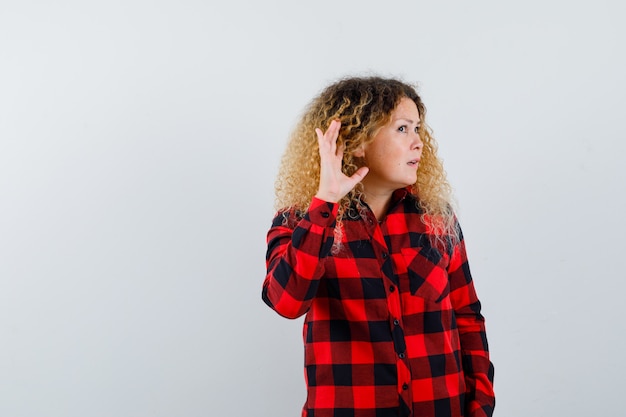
column 319, row 132
column 340, row 149
column 322, row 141
column 333, row 134
column 358, row 175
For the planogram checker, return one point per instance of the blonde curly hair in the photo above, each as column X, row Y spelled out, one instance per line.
column 363, row 105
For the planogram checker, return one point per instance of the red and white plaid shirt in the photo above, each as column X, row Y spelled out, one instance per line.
column 393, row 324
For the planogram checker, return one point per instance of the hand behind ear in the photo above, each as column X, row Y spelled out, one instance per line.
column 334, row 184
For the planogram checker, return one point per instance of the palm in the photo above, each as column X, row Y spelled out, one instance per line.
column 334, row 184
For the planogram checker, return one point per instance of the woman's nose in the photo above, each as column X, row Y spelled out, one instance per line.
column 417, row 141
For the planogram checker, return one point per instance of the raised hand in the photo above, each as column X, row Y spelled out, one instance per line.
column 334, row 184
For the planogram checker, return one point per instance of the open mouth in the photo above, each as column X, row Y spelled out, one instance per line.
column 413, row 162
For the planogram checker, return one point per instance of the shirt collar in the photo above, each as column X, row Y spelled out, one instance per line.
column 399, row 195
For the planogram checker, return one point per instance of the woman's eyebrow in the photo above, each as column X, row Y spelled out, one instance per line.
column 407, row 120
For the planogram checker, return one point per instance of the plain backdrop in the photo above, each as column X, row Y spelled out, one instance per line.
column 139, row 142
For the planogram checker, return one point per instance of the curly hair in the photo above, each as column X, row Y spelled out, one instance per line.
column 363, row 105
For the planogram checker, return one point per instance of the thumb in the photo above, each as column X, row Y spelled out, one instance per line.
column 359, row 175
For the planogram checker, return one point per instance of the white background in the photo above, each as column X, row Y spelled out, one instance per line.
column 139, row 141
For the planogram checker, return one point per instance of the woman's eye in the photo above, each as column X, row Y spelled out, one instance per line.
column 402, row 129
column 417, row 129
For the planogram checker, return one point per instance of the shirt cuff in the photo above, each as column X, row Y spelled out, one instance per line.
column 322, row 213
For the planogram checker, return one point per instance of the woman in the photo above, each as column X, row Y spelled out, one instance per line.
column 365, row 243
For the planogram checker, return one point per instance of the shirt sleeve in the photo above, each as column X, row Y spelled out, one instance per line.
column 477, row 367
column 295, row 250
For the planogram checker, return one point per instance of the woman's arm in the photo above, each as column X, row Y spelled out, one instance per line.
column 295, row 252
column 477, row 367
column 295, row 258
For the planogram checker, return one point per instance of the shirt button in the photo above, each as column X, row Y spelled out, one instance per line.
column 396, row 322
column 401, row 355
column 405, row 386
column 325, row 214
column 392, row 288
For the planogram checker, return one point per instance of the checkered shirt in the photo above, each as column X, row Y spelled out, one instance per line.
column 393, row 324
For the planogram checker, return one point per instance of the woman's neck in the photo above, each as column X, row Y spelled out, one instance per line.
column 378, row 203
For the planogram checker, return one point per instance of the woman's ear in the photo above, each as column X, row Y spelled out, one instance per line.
column 359, row 152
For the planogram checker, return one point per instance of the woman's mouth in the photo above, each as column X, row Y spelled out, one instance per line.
column 413, row 162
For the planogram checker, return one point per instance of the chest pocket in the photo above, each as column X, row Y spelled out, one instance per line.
column 426, row 270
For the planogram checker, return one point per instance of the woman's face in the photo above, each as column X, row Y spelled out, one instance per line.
column 394, row 154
